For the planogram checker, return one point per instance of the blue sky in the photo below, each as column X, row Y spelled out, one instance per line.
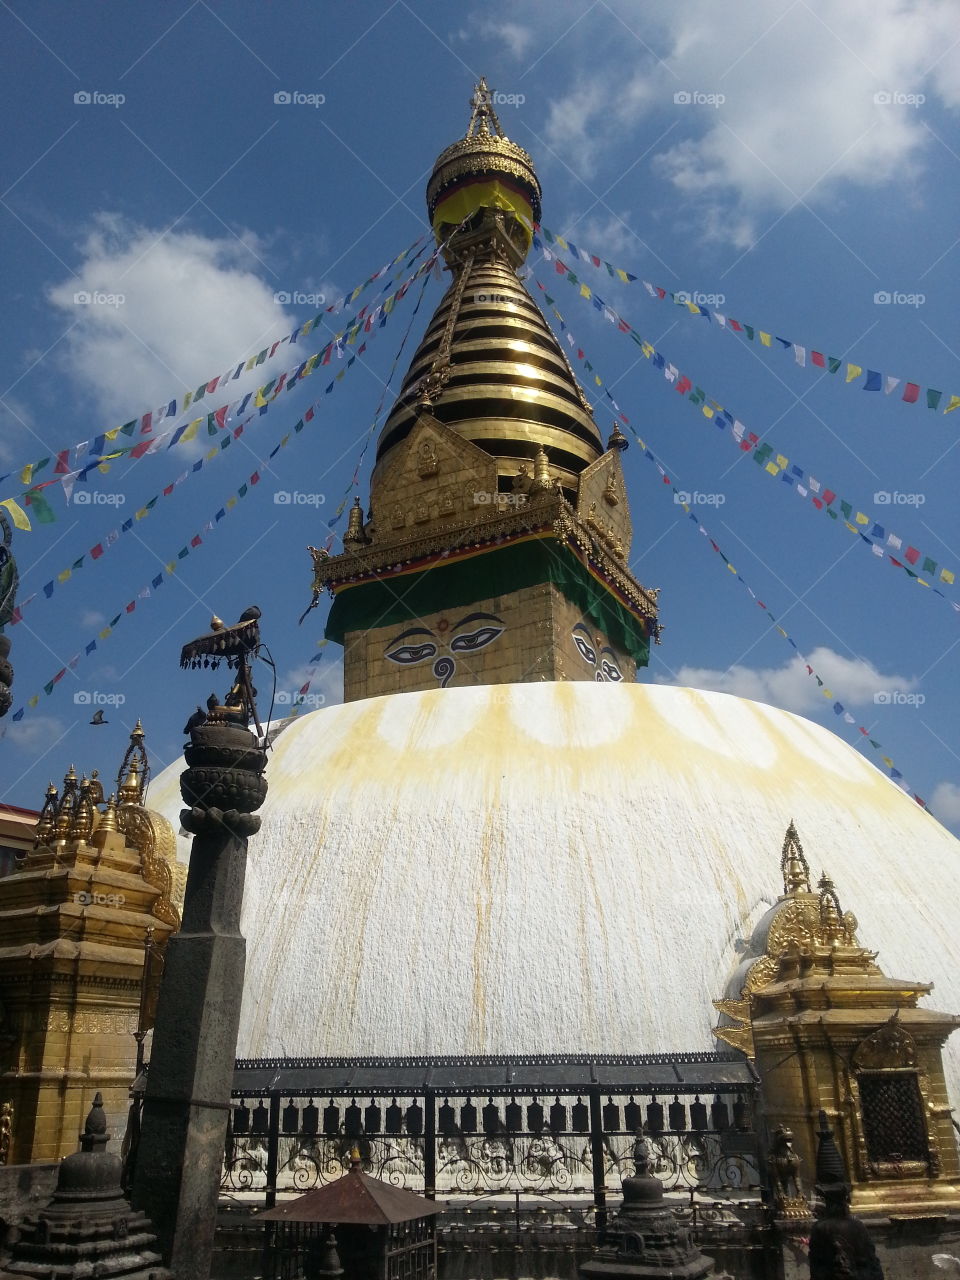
column 792, row 159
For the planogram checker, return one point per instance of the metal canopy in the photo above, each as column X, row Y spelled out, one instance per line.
column 354, row 1198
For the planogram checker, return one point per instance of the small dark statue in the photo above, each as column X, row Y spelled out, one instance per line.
column 840, row 1245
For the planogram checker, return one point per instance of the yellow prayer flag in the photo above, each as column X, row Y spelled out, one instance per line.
column 32, row 702
column 64, row 574
column 707, row 411
column 191, row 431
column 171, row 567
column 621, row 275
column 597, row 381
column 141, row 514
column 585, row 291
column 26, row 475
column 111, row 435
column 860, row 518
column 764, row 337
column 103, row 468
column 782, row 461
column 17, row 513
column 853, row 371
column 772, row 468
column 310, row 365
column 561, row 242
column 692, row 308
column 946, row 575
column 259, row 400
column 232, row 502
column 953, row 403
column 247, row 367
column 647, row 349
column 306, row 329
column 188, row 396
column 212, row 453
column 105, row 632
column 730, row 567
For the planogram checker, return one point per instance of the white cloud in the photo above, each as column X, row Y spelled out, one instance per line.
column 516, row 38
column 35, row 734
column 854, row 681
column 326, row 682
column 945, row 804
column 800, row 115
column 191, row 306
column 91, row 618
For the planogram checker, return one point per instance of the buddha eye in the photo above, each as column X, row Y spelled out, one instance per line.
column 473, row 640
column 586, row 650
column 610, row 671
column 409, row 653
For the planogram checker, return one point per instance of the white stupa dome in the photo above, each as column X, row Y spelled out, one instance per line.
column 558, row 867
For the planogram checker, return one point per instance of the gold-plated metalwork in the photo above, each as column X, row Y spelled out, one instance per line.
column 793, row 863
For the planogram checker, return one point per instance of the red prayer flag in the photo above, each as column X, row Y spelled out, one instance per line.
column 220, row 415
column 146, row 423
column 910, row 392
column 195, row 540
column 255, row 478
column 911, row 554
column 308, row 416
column 662, row 293
column 735, row 325
column 63, row 465
column 97, row 551
column 139, row 450
column 684, row 384
column 131, row 606
column 828, row 496
column 816, row 357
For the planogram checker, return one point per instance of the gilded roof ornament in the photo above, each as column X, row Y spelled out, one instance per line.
column 793, row 864
column 134, row 772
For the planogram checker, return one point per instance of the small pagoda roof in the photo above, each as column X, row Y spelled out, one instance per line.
column 354, row 1198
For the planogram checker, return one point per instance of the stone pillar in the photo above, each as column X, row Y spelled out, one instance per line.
column 187, row 1100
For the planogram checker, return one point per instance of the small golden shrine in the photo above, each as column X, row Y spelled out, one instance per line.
column 828, row 1030
column 83, row 920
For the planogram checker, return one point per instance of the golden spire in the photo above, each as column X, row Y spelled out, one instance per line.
column 354, row 537
column 832, row 929
column 81, row 826
column 793, row 864
column 134, row 769
column 46, row 827
column 108, row 824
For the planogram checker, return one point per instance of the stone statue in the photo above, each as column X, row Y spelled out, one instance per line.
column 785, row 1166
column 840, row 1245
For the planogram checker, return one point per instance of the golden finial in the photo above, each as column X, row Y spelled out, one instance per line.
column 541, row 469
column 47, row 822
column 831, row 914
column 617, row 439
column 134, row 769
column 96, row 787
column 67, row 805
column 355, row 1161
column 793, row 863
column 108, row 825
column 217, row 624
column 482, row 113
column 81, row 825
column 354, row 536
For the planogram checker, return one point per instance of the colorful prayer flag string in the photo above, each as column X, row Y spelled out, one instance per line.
column 775, row 464
column 838, row 708
column 94, row 452
column 803, row 354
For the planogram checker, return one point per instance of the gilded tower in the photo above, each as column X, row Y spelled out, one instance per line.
column 83, row 921
column 495, row 549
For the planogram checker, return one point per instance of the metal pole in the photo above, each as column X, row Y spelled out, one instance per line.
column 596, row 1156
column 273, row 1150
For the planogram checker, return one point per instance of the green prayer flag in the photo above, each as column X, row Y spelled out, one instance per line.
column 833, row 363
column 929, row 566
column 40, row 508
column 933, row 398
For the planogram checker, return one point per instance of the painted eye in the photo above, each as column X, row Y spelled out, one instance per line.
column 473, row 640
column 610, row 671
column 585, row 649
column 409, row 653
